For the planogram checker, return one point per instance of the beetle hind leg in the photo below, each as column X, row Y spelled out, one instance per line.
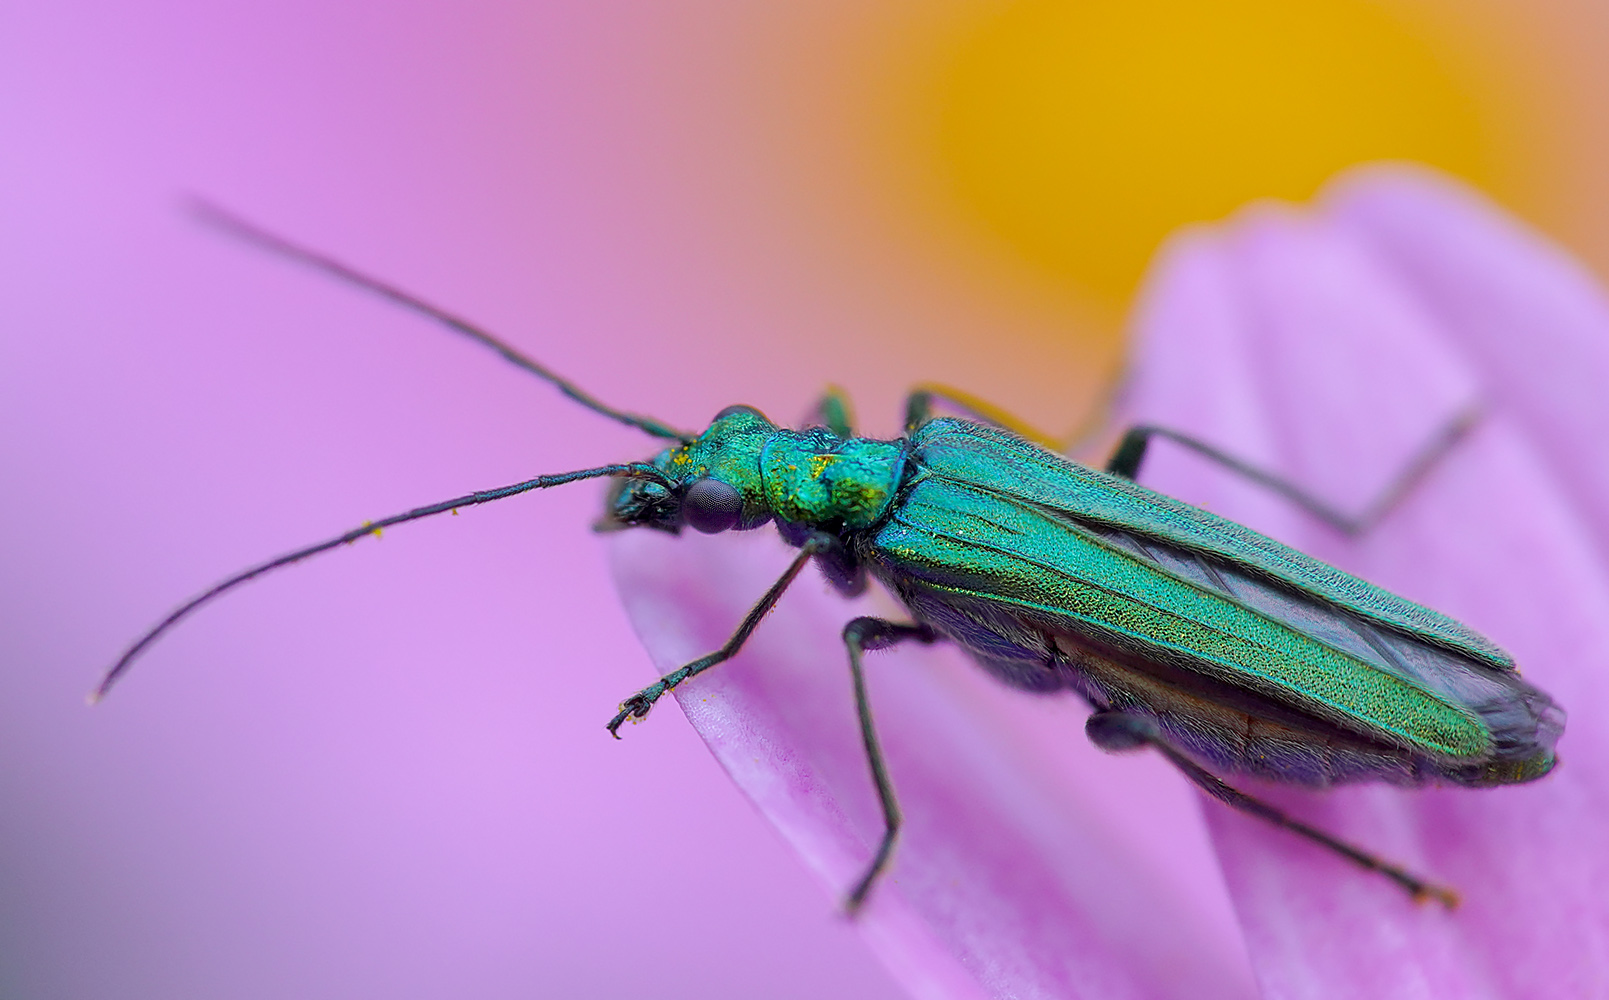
column 1130, row 455
column 1116, row 732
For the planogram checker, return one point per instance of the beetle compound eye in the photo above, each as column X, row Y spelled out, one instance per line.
column 739, row 408
column 711, row 506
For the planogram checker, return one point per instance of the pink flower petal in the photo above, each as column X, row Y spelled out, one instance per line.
column 1013, row 876
column 1328, row 348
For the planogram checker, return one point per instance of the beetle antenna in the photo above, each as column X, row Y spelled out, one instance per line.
column 634, row 470
column 234, row 225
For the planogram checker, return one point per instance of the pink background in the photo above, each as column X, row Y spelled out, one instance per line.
column 385, row 774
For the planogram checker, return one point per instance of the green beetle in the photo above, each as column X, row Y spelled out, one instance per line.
column 1226, row 651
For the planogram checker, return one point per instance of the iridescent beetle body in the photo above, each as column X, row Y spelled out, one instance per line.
column 1250, row 656
column 1227, row 651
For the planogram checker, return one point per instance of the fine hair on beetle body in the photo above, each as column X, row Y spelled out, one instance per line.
column 1223, row 650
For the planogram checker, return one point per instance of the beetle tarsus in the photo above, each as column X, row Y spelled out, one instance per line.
column 857, row 896
column 1118, row 731
column 636, row 707
column 1446, row 897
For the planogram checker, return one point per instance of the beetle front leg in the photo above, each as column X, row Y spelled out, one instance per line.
column 639, row 704
column 1117, row 732
column 861, row 635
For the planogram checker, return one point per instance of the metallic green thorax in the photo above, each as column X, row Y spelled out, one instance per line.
column 811, row 477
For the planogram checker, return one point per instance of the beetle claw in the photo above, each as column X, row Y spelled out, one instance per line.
column 633, row 708
column 1446, row 897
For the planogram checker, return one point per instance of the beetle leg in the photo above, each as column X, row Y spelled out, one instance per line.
column 860, row 635
column 833, row 412
column 1130, row 454
column 1116, row 732
column 919, row 410
column 637, row 706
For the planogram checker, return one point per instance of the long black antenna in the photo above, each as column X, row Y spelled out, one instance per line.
column 235, row 226
column 636, row 470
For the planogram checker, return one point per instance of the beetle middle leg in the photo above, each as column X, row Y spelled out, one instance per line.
column 638, row 705
column 860, row 635
column 919, row 410
column 833, row 412
column 1117, row 732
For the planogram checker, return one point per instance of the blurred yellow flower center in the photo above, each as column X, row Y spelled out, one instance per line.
column 1083, row 131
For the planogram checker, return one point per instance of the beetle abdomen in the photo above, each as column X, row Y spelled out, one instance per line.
column 1231, row 732
column 1236, row 732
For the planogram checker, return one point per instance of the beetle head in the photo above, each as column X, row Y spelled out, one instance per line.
column 712, row 483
